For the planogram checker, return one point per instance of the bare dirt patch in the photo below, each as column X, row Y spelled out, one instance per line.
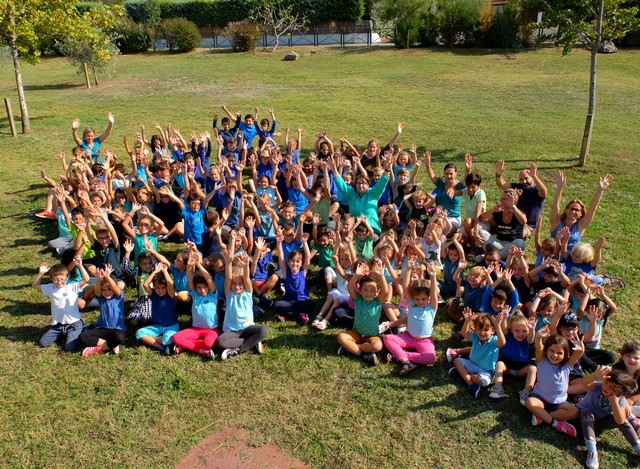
column 230, row 448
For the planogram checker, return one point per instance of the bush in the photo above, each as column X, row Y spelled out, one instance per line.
column 428, row 30
column 504, row 30
column 181, row 34
column 132, row 37
column 458, row 21
column 83, row 7
column 244, row 35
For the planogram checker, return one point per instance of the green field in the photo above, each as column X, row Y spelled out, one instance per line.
column 139, row 409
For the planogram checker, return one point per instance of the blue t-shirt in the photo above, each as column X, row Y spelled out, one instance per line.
column 420, row 320
column 180, row 282
column 473, row 296
column 486, row 301
column 597, row 403
column 484, row 355
column 295, row 286
column 193, row 224
column 298, row 198
column 163, row 310
column 239, row 313
column 515, row 350
column 249, row 133
column 204, row 309
column 111, row 312
column 552, row 382
column 262, row 267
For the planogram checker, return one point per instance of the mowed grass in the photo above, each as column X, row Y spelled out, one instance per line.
column 139, row 409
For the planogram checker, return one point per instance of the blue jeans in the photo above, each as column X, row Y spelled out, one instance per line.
column 71, row 333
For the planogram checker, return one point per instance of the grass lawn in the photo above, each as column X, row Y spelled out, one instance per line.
column 140, row 409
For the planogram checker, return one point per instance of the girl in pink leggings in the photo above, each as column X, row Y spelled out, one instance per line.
column 423, row 303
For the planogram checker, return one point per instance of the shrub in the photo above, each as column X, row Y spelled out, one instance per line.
column 505, row 28
column 132, row 37
column 181, row 34
column 458, row 21
column 428, row 30
column 244, row 35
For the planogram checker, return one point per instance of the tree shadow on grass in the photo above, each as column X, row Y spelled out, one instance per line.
column 54, row 86
column 24, row 308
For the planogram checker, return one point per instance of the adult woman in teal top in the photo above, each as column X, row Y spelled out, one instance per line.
column 89, row 141
column 363, row 200
column 446, row 187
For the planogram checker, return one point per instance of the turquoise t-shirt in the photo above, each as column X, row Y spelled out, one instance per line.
column 367, row 316
column 451, row 204
column 239, row 314
column 484, row 355
column 204, row 309
column 420, row 320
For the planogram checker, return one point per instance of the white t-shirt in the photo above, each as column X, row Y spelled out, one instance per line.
column 471, row 203
column 64, row 302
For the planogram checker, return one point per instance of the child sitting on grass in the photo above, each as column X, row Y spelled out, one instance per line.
column 65, row 315
column 486, row 341
column 605, row 406
column 423, row 303
column 240, row 332
column 363, row 340
column 514, row 357
column 110, row 330
column 548, row 403
column 164, row 322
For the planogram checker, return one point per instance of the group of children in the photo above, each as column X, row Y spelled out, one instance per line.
column 384, row 248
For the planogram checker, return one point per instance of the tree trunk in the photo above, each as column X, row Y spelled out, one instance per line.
column 95, row 75
column 588, row 126
column 13, row 45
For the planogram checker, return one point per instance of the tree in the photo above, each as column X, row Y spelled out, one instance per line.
column 24, row 24
column 407, row 18
column 153, row 13
column 588, row 22
column 97, row 53
column 280, row 16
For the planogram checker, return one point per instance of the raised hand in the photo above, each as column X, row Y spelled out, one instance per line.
column 560, row 180
column 110, row 118
column 43, row 269
column 605, row 181
column 500, row 168
column 467, row 314
column 75, row 123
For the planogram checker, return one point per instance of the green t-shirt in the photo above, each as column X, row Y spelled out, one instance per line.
column 87, row 250
column 324, row 256
column 367, row 316
column 364, row 248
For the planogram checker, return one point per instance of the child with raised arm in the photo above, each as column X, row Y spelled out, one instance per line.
column 66, row 321
column 423, row 303
column 487, row 339
column 110, row 331
column 202, row 335
column 226, row 132
column 89, row 141
column 514, row 356
column 240, row 332
column 363, row 340
column 605, row 406
column 296, row 301
column 164, row 322
column 548, row 403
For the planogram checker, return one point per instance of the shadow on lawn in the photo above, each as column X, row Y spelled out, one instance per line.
column 22, row 334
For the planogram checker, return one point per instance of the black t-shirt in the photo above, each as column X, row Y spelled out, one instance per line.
column 508, row 231
column 530, row 203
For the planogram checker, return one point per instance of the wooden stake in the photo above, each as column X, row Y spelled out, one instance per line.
column 7, row 105
column 86, row 76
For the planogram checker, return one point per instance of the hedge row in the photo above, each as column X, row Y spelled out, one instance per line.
column 220, row 12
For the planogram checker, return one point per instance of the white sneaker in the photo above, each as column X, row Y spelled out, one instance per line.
column 497, row 392
column 230, row 353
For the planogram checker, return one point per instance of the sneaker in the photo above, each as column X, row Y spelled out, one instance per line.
column 282, row 288
column 281, row 318
column 91, row 351
column 535, row 421
column 115, row 350
column 565, row 427
column 370, row 359
column 407, row 368
column 384, row 327
column 316, row 321
column 230, row 353
column 304, row 319
column 266, row 302
column 46, row 215
column 592, row 460
column 497, row 392
column 524, row 395
column 341, row 351
column 260, row 348
column 390, row 358
column 401, row 329
column 474, row 389
column 454, row 373
column 451, row 354
column 163, row 238
column 208, row 353
column 172, row 349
